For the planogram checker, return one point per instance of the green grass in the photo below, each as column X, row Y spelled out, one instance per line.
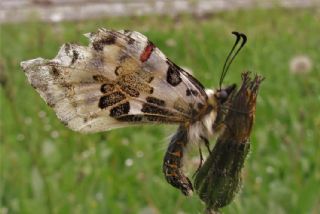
column 46, row 168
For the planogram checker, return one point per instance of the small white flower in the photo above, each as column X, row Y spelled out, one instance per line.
column 56, row 17
column 270, row 169
column 28, row 120
column 42, row 114
column 4, row 210
column 301, row 64
column 129, row 162
column 99, row 196
column 125, row 141
column 54, row 134
column 105, row 153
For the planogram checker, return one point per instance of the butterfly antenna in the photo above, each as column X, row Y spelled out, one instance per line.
column 229, row 55
column 228, row 62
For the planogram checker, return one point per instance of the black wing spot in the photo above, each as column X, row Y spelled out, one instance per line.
column 155, row 118
column 111, row 99
column 200, row 105
column 192, row 110
column 128, row 34
column 130, row 118
column 55, row 71
column 99, row 44
column 116, row 70
column 74, row 57
column 129, row 90
column 150, row 79
column 152, row 109
column 131, row 41
column 67, row 48
column 123, row 57
column 173, row 74
column 156, row 101
column 120, row 110
column 191, row 92
column 105, row 88
column 99, row 78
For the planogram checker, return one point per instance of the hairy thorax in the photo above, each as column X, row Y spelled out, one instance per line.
column 203, row 128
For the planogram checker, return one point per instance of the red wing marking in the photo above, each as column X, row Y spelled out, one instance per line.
column 147, row 52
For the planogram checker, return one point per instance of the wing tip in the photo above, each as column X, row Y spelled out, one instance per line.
column 28, row 64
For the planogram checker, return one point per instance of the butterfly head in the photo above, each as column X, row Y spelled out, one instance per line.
column 223, row 95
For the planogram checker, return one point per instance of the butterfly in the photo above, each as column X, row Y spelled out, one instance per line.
column 121, row 79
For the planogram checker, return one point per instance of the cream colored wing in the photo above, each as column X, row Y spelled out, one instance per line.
column 120, row 79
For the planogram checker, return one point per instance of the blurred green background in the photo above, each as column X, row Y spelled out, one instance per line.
column 46, row 168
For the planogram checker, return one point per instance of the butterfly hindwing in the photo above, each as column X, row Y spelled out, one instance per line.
column 120, row 79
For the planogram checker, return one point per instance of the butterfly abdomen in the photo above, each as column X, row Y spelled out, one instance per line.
column 172, row 163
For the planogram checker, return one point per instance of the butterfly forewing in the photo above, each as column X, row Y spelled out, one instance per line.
column 120, row 79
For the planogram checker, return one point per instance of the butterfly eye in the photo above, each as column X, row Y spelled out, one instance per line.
column 223, row 95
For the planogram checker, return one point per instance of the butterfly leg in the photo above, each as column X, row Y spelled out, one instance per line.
column 200, row 163
column 172, row 163
column 206, row 143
